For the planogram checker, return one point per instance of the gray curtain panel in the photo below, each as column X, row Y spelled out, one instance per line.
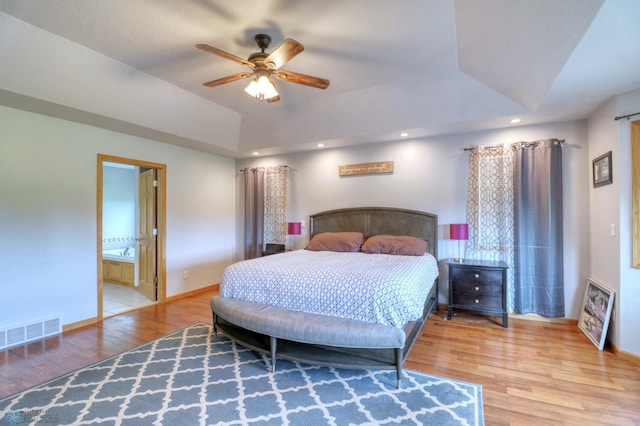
column 253, row 212
column 538, row 262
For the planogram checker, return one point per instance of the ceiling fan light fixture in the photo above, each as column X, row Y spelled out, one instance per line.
column 265, row 67
column 261, row 88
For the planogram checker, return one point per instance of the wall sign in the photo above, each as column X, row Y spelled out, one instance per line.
column 366, row 168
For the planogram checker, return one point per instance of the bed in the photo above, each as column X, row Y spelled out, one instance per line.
column 261, row 305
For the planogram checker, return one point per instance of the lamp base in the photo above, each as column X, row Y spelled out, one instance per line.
column 459, row 259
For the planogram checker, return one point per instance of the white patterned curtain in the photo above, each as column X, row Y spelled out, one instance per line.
column 490, row 208
column 275, row 205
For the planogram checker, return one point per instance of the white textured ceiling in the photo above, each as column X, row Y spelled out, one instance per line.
column 423, row 66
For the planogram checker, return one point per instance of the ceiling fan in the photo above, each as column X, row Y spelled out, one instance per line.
column 264, row 67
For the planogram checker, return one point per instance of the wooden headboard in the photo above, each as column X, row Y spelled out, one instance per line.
column 379, row 221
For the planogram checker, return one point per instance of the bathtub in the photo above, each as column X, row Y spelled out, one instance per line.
column 118, row 266
column 120, row 254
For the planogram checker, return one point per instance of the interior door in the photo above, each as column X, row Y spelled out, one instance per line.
column 147, row 231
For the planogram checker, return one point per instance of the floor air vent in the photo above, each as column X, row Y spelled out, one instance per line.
column 18, row 334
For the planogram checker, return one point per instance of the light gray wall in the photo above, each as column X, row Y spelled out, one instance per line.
column 610, row 259
column 431, row 175
column 604, row 204
column 48, row 216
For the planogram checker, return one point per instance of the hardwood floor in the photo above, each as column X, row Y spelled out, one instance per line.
column 533, row 373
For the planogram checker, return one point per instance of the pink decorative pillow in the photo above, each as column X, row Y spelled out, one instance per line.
column 336, row 241
column 395, row 244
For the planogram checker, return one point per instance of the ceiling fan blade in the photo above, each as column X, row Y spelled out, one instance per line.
column 228, row 79
column 307, row 80
column 226, row 55
column 274, row 99
column 282, row 54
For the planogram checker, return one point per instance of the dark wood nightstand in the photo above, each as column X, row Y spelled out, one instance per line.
column 480, row 286
column 273, row 249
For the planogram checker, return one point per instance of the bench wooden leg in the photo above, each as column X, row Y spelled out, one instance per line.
column 274, row 343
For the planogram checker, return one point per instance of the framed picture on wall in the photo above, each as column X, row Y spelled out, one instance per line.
column 602, row 172
column 596, row 312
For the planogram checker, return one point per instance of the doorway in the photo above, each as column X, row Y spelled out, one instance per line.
column 131, row 234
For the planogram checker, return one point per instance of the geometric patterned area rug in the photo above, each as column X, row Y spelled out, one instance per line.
column 191, row 377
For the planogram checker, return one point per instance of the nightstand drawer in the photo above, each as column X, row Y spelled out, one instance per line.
column 478, row 301
column 471, row 275
column 479, row 288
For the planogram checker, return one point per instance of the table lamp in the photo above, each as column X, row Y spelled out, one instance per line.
column 460, row 232
column 294, row 228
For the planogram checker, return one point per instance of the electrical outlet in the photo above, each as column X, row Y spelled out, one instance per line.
column 185, row 275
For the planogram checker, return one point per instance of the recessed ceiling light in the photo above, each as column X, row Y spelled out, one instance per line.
column 256, row 153
column 320, row 145
column 514, row 120
column 404, row 134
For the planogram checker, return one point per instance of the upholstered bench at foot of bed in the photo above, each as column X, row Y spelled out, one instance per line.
column 308, row 328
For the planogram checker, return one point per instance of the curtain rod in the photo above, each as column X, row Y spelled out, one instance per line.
column 473, row 148
column 626, row 116
column 254, row 168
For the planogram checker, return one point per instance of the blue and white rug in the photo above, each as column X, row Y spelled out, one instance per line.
column 193, row 378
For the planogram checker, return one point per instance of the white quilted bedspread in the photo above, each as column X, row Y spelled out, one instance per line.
column 377, row 288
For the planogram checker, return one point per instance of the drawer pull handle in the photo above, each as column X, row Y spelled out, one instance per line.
column 477, row 288
column 477, row 275
column 477, row 301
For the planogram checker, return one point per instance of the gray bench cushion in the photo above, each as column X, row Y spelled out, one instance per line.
column 306, row 327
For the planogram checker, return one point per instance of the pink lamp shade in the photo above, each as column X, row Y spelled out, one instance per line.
column 294, row 228
column 459, row 231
